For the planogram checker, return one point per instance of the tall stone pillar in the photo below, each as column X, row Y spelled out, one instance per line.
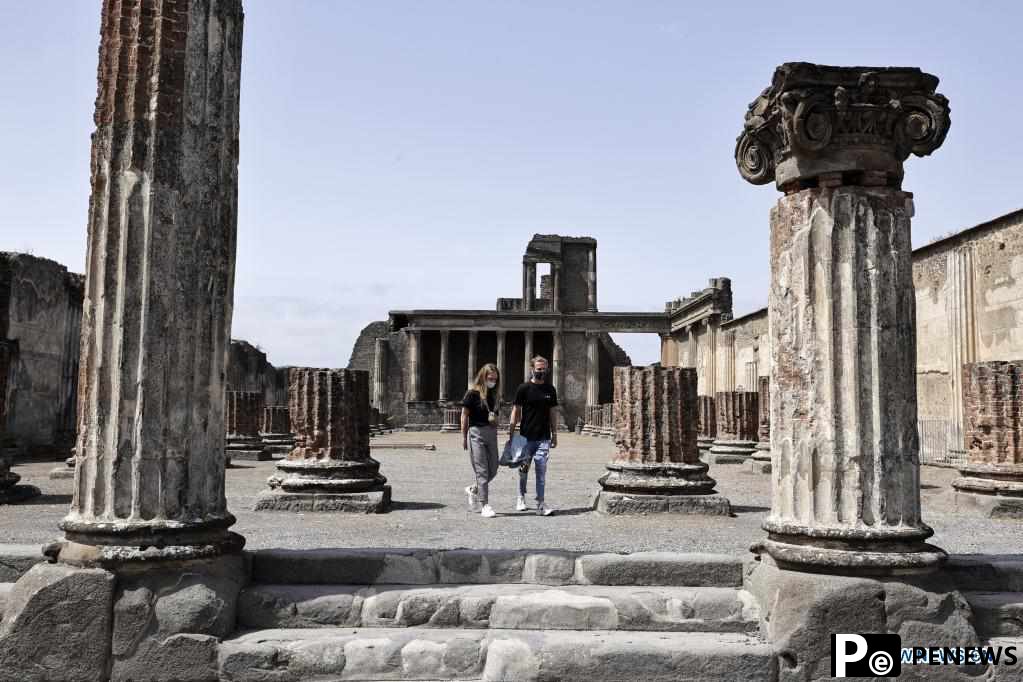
column 473, row 365
column 656, row 467
column 530, row 292
column 556, row 361
column 244, row 415
column 527, row 355
column 992, row 478
column 761, row 460
column 381, row 350
column 725, row 362
column 414, row 365
column 149, row 479
column 555, row 288
column 330, row 468
column 445, row 336
column 501, row 365
column 276, row 429
column 737, row 421
column 592, row 369
column 691, row 333
column 591, row 280
column 710, row 349
column 842, row 312
column 962, row 340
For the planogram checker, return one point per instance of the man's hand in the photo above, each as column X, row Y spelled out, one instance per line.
column 465, row 443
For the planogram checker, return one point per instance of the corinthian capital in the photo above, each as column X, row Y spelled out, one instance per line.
column 859, row 123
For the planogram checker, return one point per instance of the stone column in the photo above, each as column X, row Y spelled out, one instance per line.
column 473, row 349
column 243, row 416
column 500, row 362
column 691, row 332
column 443, row 384
column 592, row 369
column 962, row 340
column 330, row 468
column 381, row 349
column 276, row 429
column 656, row 467
column 556, row 355
column 530, row 292
column 725, row 362
column 708, row 421
column 156, row 324
column 992, row 478
column 710, row 349
column 738, row 420
column 842, row 312
column 761, row 463
column 555, row 287
column 607, row 420
column 10, row 491
column 527, row 365
column 591, row 280
column 414, row 363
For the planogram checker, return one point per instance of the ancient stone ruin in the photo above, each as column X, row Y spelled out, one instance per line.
column 330, row 468
column 656, row 467
column 276, row 429
column 737, row 427
column 243, row 412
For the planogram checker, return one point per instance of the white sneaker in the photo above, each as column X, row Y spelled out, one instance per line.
column 543, row 510
column 520, row 503
column 488, row 512
column 474, row 499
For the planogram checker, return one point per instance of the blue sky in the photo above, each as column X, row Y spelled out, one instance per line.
column 401, row 154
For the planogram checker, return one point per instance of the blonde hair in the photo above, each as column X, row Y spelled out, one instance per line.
column 479, row 384
column 538, row 358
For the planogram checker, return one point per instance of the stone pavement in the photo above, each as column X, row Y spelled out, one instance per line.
column 430, row 508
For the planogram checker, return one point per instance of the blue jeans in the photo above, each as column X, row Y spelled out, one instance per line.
column 536, row 451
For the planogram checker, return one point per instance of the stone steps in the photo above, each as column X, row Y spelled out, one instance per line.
column 997, row 614
column 505, row 606
column 986, row 572
column 469, row 566
column 492, row 655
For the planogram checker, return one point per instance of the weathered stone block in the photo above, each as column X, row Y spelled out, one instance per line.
column 661, row 568
column 345, row 566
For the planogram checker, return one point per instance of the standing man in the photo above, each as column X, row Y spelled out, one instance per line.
column 536, row 404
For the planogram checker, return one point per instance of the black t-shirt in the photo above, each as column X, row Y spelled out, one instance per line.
column 536, row 401
column 479, row 412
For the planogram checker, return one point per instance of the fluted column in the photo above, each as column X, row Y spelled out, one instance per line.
column 737, row 421
column 708, row 420
column 556, row 357
column 330, row 468
column 725, row 361
column 244, row 413
column 473, row 362
column 156, row 320
column 992, row 478
column 443, row 382
column 276, row 429
column 962, row 339
column 591, row 280
column 691, row 332
column 842, row 312
column 500, row 361
column 527, row 357
column 414, row 364
column 710, row 348
column 381, row 350
column 764, row 429
column 592, row 369
column 656, row 466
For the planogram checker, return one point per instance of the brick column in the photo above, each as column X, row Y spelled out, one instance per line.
column 737, row 421
column 656, row 467
column 330, row 468
column 843, row 339
column 708, row 423
column 243, row 417
column 992, row 479
column 149, row 480
column 276, row 429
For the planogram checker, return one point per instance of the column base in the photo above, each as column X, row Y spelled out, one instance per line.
column 615, row 503
column 657, row 479
column 853, row 551
column 278, row 443
column 66, row 471
column 371, row 502
column 996, row 491
column 731, row 451
column 246, row 448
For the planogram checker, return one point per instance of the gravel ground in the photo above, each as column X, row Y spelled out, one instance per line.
column 430, row 509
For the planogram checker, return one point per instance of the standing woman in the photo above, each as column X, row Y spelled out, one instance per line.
column 479, row 435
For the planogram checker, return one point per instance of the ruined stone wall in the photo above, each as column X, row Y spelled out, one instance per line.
column 40, row 321
column 249, row 370
column 752, row 349
column 362, row 358
column 573, row 277
column 993, row 430
column 970, row 285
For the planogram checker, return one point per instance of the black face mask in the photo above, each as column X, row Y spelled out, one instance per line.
column 539, row 374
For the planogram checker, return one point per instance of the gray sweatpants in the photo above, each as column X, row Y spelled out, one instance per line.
column 483, row 455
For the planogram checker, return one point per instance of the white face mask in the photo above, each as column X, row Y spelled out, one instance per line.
column 491, row 384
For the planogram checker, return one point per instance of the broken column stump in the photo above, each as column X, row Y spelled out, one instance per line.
column 330, row 468
column 846, row 479
column 737, row 421
column 656, row 467
column 992, row 479
column 276, row 429
column 707, row 428
column 243, row 412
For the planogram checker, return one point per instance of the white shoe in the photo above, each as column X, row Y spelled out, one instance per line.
column 488, row 512
column 474, row 499
column 543, row 510
column 520, row 504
